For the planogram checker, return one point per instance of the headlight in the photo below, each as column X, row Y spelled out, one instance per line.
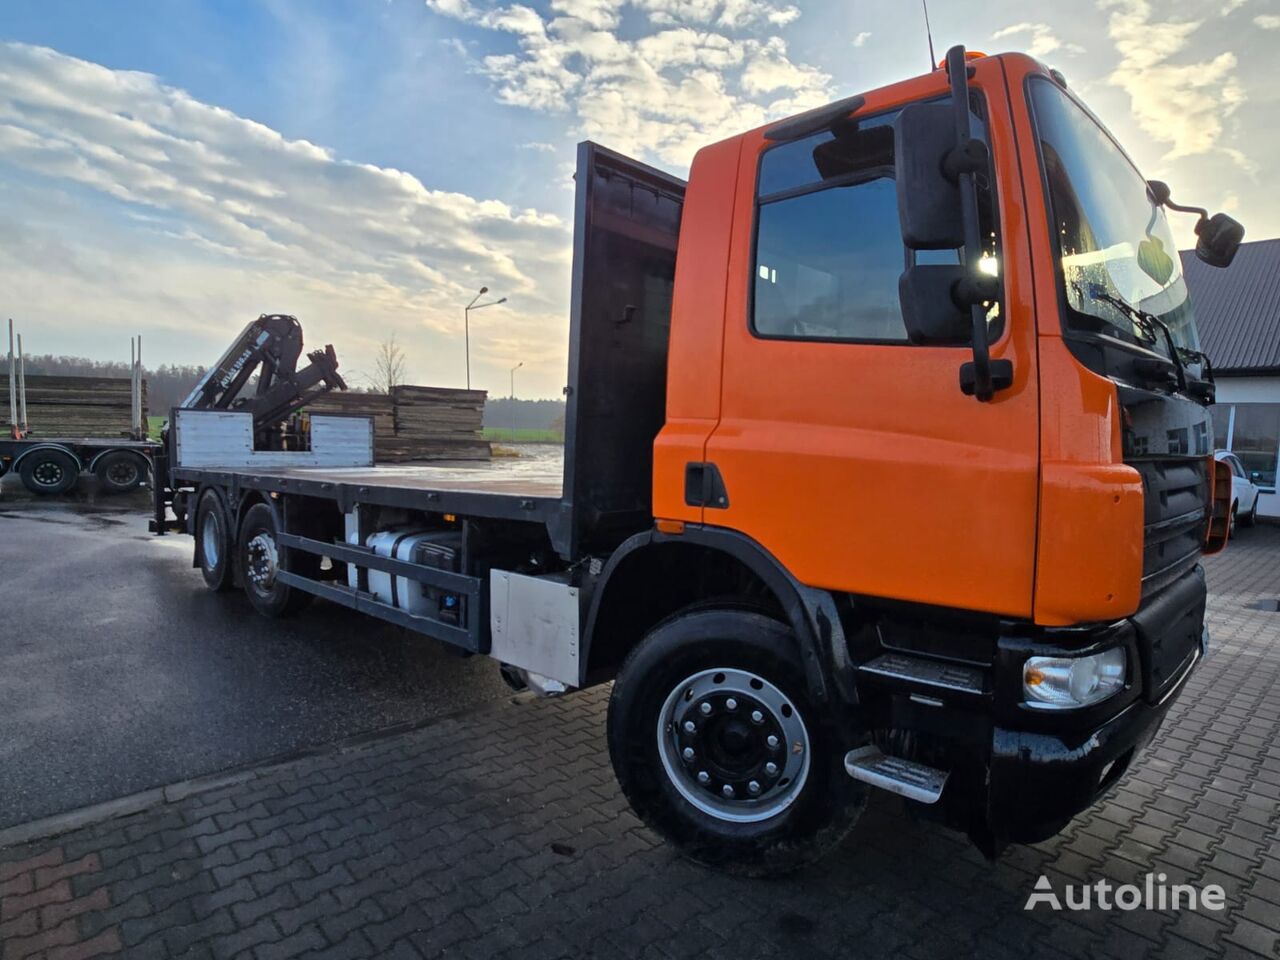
column 1064, row 683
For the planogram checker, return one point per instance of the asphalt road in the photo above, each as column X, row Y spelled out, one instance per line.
column 120, row 671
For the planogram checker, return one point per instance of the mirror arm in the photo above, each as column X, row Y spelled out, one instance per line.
column 961, row 163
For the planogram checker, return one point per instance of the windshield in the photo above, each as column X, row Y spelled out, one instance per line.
column 1119, row 259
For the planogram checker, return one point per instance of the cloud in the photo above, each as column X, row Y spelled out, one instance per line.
column 1174, row 101
column 220, row 208
column 862, row 38
column 1043, row 41
column 1267, row 21
column 702, row 70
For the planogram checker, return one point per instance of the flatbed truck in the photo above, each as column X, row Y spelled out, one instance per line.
column 887, row 464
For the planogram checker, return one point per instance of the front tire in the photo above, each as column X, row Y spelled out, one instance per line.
column 213, row 543
column 261, row 558
column 1251, row 518
column 717, row 747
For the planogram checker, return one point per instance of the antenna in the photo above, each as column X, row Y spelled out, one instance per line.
column 933, row 60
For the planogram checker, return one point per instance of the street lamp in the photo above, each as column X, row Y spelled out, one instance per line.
column 466, row 323
column 513, row 399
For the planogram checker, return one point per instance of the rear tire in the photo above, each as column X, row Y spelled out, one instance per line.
column 213, row 543
column 120, row 472
column 736, row 676
column 261, row 558
column 49, row 472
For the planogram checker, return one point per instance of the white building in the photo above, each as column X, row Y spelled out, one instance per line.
column 1238, row 313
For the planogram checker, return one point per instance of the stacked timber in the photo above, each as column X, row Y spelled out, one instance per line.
column 437, row 423
column 76, row 406
column 416, row 423
column 346, row 404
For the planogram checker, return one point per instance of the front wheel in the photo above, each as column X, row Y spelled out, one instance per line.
column 717, row 747
column 1251, row 518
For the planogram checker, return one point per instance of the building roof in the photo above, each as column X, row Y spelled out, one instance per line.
column 1238, row 309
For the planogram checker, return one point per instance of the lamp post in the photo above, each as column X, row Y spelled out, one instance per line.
column 513, row 399
column 466, row 323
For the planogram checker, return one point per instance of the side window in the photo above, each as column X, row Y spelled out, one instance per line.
column 829, row 248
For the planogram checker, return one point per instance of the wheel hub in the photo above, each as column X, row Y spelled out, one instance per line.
column 211, row 540
column 123, row 473
column 47, row 473
column 733, row 744
column 263, row 562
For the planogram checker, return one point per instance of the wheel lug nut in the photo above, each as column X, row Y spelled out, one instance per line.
column 703, row 776
column 753, row 787
column 690, row 726
column 728, row 791
column 731, row 704
column 772, row 741
column 705, row 708
column 688, row 753
column 771, row 768
column 757, row 716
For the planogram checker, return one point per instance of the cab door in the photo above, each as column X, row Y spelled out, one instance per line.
column 848, row 452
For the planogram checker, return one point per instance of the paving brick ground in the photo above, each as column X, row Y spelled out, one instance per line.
column 502, row 833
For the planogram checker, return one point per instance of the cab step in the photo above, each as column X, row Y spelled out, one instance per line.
column 906, row 778
column 940, row 676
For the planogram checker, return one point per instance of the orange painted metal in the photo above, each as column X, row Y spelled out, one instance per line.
column 697, row 326
column 1219, row 531
column 1089, row 553
column 862, row 467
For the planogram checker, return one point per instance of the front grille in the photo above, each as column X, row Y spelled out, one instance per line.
column 1176, row 496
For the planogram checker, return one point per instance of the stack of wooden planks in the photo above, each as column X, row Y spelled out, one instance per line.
column 76, row 406
column 376, row 405
column 417, row 423
column 438, row 423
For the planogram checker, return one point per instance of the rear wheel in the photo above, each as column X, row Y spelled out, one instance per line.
column 48, row 472
column 120, row 472
column 717, row 747
column 213, row 542
column 262, row 559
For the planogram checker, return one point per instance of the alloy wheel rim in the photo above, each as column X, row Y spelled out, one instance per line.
column 734, row 745
column 264, row 561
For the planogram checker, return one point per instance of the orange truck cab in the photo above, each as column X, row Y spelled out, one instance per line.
column 941, row 374
column 887, row 464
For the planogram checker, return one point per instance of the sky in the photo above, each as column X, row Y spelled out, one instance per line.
column 174, row 169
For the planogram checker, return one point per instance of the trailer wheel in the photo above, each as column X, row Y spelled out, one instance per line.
column 261, row 558
column 213, row 543
column 120, row 471
column 717, row 747
column 48, row 471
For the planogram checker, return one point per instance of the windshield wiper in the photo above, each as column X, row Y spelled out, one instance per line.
column 1148, row 323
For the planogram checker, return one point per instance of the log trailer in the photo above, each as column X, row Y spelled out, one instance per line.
column 887, row 464
column 51, row 465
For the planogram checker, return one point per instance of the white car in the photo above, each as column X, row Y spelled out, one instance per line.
column 1244, row 495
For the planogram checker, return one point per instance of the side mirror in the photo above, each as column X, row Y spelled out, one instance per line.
column 929, row 310
column 1220, row 237
column 929, row 207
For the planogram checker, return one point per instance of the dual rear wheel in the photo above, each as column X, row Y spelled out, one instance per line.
column 254, row 553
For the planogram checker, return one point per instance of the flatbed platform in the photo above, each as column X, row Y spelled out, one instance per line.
column 515, row 488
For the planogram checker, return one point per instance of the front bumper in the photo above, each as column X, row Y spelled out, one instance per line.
column 1039, row 781
column 1014, row 772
